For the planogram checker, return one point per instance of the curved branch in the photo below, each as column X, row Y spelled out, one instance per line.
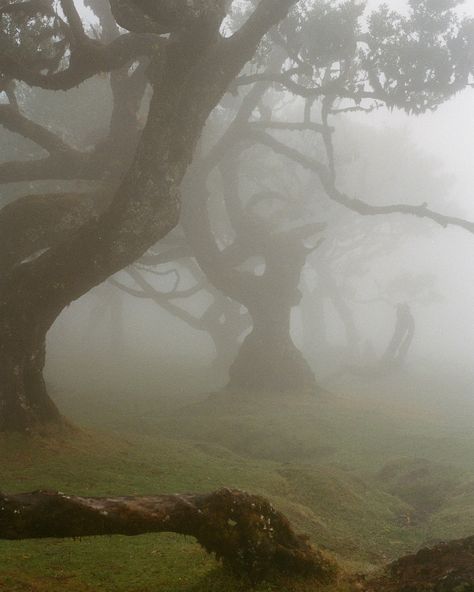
column 127, row 289
column 308, row 92
column 288, row 126
column 71, row 165
column 172, row 294
column 355, row 204
column 88, row 60
column 420, row 211
column 134, row 270
column 12, row 120
column 287, row 151
column 164, row 303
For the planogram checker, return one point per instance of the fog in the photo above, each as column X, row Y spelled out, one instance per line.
column 236, row 254
column 148, row 344
column 151, row 341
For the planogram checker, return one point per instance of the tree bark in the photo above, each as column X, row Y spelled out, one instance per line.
column 24, row 400
column 242, row 530
column 33, row 294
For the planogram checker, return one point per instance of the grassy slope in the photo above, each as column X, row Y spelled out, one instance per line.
column 319, row 459
column 89, row 463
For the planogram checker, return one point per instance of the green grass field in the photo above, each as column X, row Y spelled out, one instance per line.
column 367, row 482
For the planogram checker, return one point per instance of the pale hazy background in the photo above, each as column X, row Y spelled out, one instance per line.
column 157, row 344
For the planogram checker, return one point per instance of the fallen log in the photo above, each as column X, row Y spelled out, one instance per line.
column 244, row 531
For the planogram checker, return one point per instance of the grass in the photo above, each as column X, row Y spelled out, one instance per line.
column 91, row 463
column 320, row 459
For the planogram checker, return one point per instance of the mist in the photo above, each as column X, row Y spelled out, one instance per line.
column 431, row 154
column 236, row 295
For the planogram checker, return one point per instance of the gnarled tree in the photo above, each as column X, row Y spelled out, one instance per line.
column 187, row 54
column 413, row 62
column 324, row 63
column 190, row 65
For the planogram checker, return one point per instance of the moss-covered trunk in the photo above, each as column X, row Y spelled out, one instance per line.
column 242, row 530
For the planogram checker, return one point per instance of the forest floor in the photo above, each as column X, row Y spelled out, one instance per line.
column 368, row 478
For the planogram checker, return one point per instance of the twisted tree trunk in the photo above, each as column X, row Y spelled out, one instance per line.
column 189, row 74
column 24, row 400
column 242, row 530
column 268, row 359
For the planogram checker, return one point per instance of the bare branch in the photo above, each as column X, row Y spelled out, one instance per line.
column 308, row 92
column 287, row 151
column 289, row 126
column 91, row 59
column 134, row 270
column 354, row 204
column 12, row 120
column 127, row 289
column 163, row 300
column 421, row 211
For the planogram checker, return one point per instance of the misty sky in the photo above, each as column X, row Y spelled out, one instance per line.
column 448, row 133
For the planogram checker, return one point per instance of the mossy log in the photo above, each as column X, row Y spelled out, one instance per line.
column 244, row 531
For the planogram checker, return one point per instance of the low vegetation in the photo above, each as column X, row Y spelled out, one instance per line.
column 357, row 493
